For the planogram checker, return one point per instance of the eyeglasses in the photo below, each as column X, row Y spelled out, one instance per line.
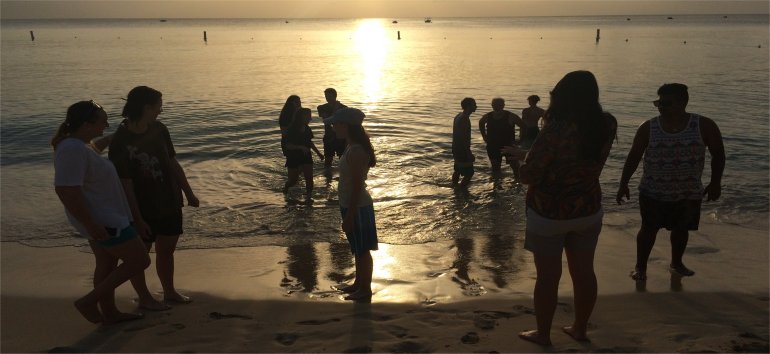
column 662, row 103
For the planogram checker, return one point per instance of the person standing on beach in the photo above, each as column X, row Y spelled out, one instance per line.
column 333, row 145
column 299, row 143
column 673, row 146
column 356, row 205
column 292, row 104
column 531, row 118
column 564, row 199
column 153, row 180
column 90, row 190
column 461, row 144
column 498, row 128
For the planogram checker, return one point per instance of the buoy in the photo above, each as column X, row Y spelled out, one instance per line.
column 32, row 35
column 399, row 35
column 597, row 35
column 205, row 38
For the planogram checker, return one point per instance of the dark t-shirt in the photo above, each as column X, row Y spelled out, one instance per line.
column 145, row 159
column 325, row 111
column 302, row 138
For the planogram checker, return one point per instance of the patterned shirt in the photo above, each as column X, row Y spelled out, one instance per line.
column 561, row 184
column 673, row 162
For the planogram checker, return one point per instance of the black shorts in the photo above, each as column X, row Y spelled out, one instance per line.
column 681, row 215
column 493, row 151
column 168, row 226
column 296, row 160
column 334, row 147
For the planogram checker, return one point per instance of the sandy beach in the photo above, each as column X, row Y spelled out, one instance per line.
column 246, row 302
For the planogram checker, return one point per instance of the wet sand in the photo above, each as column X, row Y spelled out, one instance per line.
column 433, row 297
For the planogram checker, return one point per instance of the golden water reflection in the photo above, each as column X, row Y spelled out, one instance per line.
column 372, row 45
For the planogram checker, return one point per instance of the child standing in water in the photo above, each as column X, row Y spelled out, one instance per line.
column 299, row 142
column 356, row 205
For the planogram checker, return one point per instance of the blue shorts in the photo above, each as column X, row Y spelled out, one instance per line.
column 118, row 236
column 364, row 236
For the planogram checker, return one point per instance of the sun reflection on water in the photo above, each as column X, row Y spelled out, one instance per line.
column 372, row 45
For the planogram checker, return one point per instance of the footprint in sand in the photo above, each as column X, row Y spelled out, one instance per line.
column 318, row 322
column 520, row 309
column 470, row 338
column 364, row 349
column 484, row 322
column 218, row 316
column 286, row 338
column 408, row 347
column 175, row 327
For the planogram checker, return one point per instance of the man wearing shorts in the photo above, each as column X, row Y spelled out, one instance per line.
column 498, row 128
column 461, row 144
column 332, row 145
column 673, row 146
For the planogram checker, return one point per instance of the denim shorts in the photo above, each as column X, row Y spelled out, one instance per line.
column 118, row 236
column 364, row 236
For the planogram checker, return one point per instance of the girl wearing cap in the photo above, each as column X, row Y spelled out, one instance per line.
column 356, row 205
column 90, row 190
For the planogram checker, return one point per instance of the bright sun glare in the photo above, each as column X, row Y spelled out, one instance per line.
column 372, row 45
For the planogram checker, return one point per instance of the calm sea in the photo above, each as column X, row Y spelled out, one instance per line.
column 222, row 98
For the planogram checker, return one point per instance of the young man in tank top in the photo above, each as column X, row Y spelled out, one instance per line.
column 332, row 144
column 498, row 128
column 461, row 144
column 673, row 146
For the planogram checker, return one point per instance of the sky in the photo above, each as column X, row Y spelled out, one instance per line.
column 39, row 9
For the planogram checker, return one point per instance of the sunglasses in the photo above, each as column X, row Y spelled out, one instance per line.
column 662, row 103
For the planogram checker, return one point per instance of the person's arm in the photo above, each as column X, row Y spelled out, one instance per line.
column 712, row 137
column 312, row 146
column 357, row 159
column 73, row 199
column 516, row 122
column 102, row 143
column 641, row 140
column 142, row 228
column 180, row 176
column 483, row 126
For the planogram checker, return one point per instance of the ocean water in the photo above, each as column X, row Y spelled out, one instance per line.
column 222, row 98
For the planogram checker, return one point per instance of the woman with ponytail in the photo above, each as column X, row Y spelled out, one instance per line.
column 564, row 199
column 153, row 180
column 90, row 190
column 356, row 205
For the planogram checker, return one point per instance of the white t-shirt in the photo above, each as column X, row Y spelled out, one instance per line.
column 77, row 164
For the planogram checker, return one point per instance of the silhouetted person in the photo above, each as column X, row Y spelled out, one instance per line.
column 299, row 148
column 292, row 104
column 531, row 118
column 332, row 144
column 564, row 199
column 461, row 143
column 673, row 146
column 498, row 128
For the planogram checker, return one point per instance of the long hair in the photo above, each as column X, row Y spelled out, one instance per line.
column 137, row 99
column 298, row 120
column 77, row 114
column 357, row 134
column 289, row 108
column 575, row 99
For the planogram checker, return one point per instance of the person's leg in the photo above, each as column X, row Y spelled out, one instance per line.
column 364, row 271
column 581, row 269
column 105, row 264
column 307, row 171
column 455, row 178
column 329, row 151
column 645, row 240
column 165, row 245
column 679, row 239
column 139, row 283
column 293, row 177
column 135, row 260
column 548, row 268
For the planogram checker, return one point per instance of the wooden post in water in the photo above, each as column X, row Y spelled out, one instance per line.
column 399, row 35
column 32, row 35
column 597, row 35
column 205, row 39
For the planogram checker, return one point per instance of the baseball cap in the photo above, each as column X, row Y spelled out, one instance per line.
column 346, row 115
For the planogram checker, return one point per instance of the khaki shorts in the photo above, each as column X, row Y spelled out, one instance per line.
column 573, row 235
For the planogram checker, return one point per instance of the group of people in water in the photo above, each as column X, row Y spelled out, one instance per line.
column 125, row 204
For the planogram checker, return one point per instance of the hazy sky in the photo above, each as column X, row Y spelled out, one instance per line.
column 30, row 9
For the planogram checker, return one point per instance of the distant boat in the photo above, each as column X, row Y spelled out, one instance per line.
column 287, row 21
column 428, row 20
column 394, row 21
column 163, row 20
column 670, row 18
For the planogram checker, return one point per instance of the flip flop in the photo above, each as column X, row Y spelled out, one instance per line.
column 681, row 270
column 638, row 275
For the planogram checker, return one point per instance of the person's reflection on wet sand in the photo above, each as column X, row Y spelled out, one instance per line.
column 341, row 263
column 301, row 269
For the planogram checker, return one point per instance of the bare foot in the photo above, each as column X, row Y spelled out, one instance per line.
column 535, row 337
column 153, row 305
column 359, row 295
column 580, row 337
column 349, row 289
column 177, row 298
column 121, row 317
column 89, row 311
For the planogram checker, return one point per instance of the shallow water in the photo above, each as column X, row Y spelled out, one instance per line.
column 222, row 98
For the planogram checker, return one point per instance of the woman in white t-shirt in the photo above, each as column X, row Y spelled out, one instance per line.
column 88, row 186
